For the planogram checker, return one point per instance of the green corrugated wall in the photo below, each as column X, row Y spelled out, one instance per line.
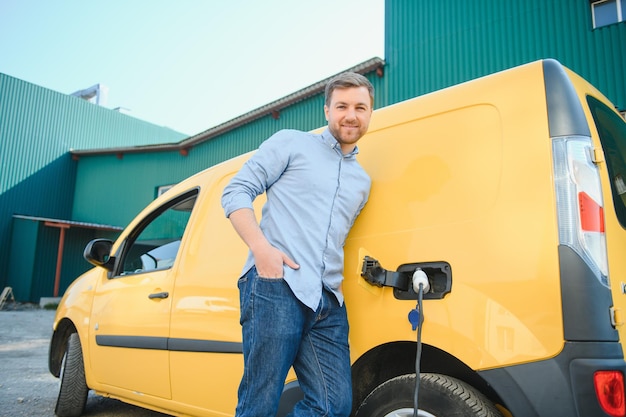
column 32, row 268
column 38, row 128
column 116, row 200
column 430, row 45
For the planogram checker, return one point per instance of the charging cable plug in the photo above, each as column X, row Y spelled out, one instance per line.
column 420, row 278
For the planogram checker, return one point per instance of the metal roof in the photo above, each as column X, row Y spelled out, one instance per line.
column 69, row 223
column 373, row 64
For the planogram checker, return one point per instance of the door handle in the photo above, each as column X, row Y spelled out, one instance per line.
column 163, row 294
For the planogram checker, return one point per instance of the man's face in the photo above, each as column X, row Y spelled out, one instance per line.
column 348, row 115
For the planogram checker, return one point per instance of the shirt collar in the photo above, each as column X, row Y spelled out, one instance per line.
column 330, row 140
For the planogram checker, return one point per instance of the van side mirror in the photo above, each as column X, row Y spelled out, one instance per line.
column 98, row 253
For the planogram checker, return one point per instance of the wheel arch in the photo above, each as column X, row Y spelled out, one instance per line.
column 58, row 344
column 393, row 359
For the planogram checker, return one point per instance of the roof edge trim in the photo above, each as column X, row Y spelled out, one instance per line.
column 69, row 223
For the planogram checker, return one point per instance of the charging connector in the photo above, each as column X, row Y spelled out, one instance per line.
column 420, row 278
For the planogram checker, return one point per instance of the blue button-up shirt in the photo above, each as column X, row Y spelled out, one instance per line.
column 314, row 194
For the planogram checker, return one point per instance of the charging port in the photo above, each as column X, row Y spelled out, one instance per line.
column 439, row 276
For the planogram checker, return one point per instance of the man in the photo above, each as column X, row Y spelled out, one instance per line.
column 292, row 307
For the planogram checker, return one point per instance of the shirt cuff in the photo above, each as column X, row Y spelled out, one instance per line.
column 237, row 202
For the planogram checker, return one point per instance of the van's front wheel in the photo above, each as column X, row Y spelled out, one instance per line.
column 439, row 396
column 73, row 391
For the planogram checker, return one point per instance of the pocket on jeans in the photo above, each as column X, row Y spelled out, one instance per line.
column 267, row 279
column 244, row 278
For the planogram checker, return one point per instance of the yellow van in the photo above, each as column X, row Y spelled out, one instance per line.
column 508, row 192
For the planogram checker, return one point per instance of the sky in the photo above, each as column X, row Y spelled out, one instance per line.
column 188, row 65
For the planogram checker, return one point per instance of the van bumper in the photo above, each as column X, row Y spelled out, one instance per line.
column 560, row 386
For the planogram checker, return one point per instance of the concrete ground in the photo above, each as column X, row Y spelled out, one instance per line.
column 26, row 386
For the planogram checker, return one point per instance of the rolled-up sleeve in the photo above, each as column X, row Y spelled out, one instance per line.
column 263, row 168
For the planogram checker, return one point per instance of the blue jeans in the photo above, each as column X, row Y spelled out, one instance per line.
column 280, row 332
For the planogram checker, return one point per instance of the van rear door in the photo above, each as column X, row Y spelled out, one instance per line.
column 611, row 129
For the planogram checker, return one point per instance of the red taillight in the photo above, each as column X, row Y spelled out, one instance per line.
column 591, row 214
column 610, row 392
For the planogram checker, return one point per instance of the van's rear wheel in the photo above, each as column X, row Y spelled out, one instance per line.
column 439, row 396
column 73, row 391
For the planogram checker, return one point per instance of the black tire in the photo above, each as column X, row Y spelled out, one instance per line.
column 439, row 396
column 73, row 391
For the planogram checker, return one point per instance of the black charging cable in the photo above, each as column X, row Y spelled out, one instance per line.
column 416, row 317
column 373, row 273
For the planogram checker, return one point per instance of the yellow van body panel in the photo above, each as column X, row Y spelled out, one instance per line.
column 447, row 188
column 206, row 306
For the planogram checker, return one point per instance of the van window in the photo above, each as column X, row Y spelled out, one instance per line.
column 612, row 131
column 154, row 244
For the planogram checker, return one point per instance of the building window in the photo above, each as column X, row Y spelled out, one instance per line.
column 607, row 12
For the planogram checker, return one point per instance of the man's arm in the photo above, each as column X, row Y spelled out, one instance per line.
column 268, row 259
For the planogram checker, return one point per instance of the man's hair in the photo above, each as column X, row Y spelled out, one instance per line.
column 348, row 80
